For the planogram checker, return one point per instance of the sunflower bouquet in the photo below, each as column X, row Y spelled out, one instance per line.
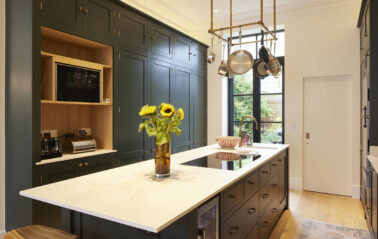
column 161, row 123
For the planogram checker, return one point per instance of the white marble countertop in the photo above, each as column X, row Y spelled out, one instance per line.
column 374, row 162
column 131, row 195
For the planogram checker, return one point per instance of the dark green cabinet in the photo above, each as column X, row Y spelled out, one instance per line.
column 132, row 30
column 130, row 89
column 161, row 40
column 199, row 110
column 199, row 58
column 99, row 19
column 181, row 98
column 64, row 13
column 92, row 19
column 183, row 50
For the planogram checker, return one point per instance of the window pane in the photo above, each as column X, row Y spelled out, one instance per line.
column 271, row 84
column 271, row 108
column 271, row 133
column 242, row 107
column 243, row 84
column 246, row 128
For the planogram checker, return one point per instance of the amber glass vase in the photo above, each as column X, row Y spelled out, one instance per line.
column 162, row 160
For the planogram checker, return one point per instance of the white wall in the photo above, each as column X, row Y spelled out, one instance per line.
column 2, row 113
column 319, row 42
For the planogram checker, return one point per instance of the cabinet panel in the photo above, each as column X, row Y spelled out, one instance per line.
column 161, row 40
column 251, row 184
column 231, row 199
column 282, row 179
column 183, row 50
column 199, row 58
column 97, row 165
column 131, row 78
column 99, row 18
column 64, row 12
column 180, row 97
column 161, row 76
column 199, row 110
column 132, row 30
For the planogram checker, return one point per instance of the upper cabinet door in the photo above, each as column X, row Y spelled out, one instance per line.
column 181, row 98
column 161, row 40
column 199, row 57
column 99, row 19
column 183, row 50
column 63, row 13
column 132, row 30
column 200, row 110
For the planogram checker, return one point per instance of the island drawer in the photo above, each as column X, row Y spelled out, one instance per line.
column 231, row 199
column 239, row 224
column 265, row 172
column 254, row 233
column 269, row 220
column 274, row 165
column 268, row 192
column 251, row 184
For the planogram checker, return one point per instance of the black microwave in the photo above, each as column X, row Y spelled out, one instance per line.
column 74, row 83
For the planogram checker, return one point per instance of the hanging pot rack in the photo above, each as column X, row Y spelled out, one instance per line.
column 218, row 32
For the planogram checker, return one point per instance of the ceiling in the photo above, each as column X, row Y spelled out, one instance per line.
column 198, row 11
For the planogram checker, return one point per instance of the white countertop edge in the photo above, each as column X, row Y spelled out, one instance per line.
column 76, row 156
column 373, row 161
column 157, row 228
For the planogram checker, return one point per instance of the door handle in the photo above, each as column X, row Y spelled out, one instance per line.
column 365, row 116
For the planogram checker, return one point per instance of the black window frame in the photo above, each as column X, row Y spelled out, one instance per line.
column 256, row 96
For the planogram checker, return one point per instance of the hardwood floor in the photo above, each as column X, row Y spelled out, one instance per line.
column 334, row 209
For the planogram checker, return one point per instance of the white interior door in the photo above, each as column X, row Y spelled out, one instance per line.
column 328, row 135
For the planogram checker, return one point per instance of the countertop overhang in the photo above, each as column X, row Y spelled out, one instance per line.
column 131, row 195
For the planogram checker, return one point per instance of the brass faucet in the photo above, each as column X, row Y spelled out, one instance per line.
column 241, row 124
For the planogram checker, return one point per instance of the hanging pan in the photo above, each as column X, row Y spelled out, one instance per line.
column 260, row 69
column 263, row 52
column 240, row 61
column 211, row 55
column 223, row 68
column 273, row 67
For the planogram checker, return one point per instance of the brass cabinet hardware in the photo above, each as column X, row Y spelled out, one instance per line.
column 119, row 56
column 119, row 109
column 80, row 165
column 41, row 180
column 86, row 11
column 252, row 211
column 41, row 5
column 114, row 13
column 146, row 152
column 119, row 15
column 119, row 33
column 80, row 9
column 86, row 164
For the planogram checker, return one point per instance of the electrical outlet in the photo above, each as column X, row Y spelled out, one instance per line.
column 88, row 130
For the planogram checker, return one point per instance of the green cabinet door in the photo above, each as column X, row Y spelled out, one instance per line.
column 132, row 30
column 199, row 110
column 199, row 58
column 181, row 98
column 131, row 78
column 183, row 50
column 99, row 19
column 63, row 13
column 160, row 40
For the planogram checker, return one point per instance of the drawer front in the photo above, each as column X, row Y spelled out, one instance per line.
column 274, row 166
column 269, row 219
column 265, row 172
column 254, row 233
column 268, row 192
column 231, row 199
column 239, row 224
column 251, row 184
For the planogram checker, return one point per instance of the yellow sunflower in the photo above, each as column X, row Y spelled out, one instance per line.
column 147, row 110
column 167, row 110
column 181, row 113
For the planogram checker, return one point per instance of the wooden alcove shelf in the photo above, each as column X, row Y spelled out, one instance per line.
column 70, row 117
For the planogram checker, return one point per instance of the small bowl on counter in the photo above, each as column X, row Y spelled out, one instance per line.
column 228, row 142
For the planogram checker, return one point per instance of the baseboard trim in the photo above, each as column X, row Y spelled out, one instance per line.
column 356, row 191
column 2, row 233
column 296, row 184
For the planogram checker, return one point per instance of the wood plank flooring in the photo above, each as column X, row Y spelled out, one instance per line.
column 334, row 209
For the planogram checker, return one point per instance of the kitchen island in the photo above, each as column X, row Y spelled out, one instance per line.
column 130, row 202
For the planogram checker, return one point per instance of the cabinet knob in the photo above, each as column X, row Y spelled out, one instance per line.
column 265, row 224
column 231, row 196
column 265, row 172
column 252, row 211
column 274, row 210
column 233, row 230
column 274, row 185
column 251, row 182
column 86, row 11
column 86, row 164
column 146, row 152
column 80, row 9
column 80, row 165
column 274, row 164
column 265, row 195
